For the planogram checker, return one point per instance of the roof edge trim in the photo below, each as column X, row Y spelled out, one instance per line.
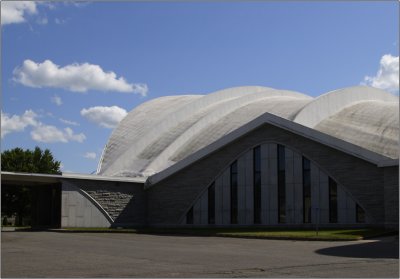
column 6, row 174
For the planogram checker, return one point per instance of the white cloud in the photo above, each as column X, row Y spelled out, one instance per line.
column 74, row 77
column 40, row 132
column 51, row 134
column 107, row 117
column 56, row 100
column 387, row 77
column 68, row 122
column 16, row 11
column 17, row 123
column 90, row 155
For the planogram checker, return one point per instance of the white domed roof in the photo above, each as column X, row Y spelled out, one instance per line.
column 163, row 131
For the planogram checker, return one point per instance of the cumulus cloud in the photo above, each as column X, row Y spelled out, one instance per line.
column 68, row 122
column 40, row 132
column 56, row 100
column 51, row 134
column 17, row 123
column 387, row 77
column 16, row 11
column 107, row 117
column 90, row 155
column 74, row 77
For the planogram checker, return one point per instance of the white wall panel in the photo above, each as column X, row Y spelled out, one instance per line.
column 78, row 211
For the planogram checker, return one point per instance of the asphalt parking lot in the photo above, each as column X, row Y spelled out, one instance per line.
column 54, row 254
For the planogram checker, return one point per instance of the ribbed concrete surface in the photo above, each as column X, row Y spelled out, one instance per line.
column 163, row 131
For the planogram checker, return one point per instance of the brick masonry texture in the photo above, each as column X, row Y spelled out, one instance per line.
column 168, row 200
column 124, row 202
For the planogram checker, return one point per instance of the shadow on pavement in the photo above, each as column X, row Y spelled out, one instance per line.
column 387, row 248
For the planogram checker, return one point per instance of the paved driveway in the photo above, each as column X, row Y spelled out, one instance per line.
column 52, row 254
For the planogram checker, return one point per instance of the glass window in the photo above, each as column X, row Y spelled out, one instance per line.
column 189, row 216
column 306, row 191
column 360, row 214
column 333, row 209
column 257, row 184
column 281, row 185
column 211, row 204
column 234, row 193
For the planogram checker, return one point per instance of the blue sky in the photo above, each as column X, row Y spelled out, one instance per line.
column 58, row 91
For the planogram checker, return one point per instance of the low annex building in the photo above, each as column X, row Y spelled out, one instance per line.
column 244, row 156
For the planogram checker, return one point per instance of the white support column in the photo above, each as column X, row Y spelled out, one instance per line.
column 65, row 207
column 218, row 200
column 249, row 191
column 226, row 197
column 264, row 184
column 241, row 190
column 289, row 186
column 298, row 188
column 315, row 204
column 273, row 184
column 324, row 197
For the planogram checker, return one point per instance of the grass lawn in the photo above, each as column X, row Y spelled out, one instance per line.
column 267, row 233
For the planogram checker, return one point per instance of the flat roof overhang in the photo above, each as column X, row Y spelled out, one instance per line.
column 44, row 179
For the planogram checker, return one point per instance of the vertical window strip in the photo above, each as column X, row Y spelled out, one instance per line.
column 234, row 193
column 333, row 208
column 211, row 204
column 189, row 216
column 281, row 185
column 360, row 214
column 306, row 191
column 257, row 184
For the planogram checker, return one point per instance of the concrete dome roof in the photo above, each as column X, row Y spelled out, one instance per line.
column 163, row 131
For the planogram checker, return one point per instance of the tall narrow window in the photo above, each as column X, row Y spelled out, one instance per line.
column 234, row 193
column 189, row 216
column 333, row 210
column 257, row 184
column 360, row 214
column 211, row 204
column 281, row 185
column 306, row 191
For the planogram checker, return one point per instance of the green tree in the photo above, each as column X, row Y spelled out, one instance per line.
column 16, row 199
column 36, row 161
